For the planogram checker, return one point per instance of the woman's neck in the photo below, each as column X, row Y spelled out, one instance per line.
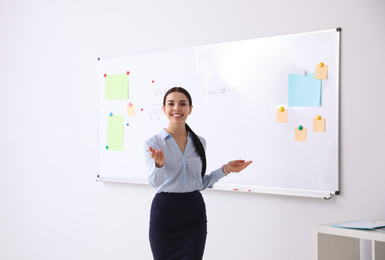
column 177, row 130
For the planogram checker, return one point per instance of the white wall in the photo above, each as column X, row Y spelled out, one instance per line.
column 50, row 205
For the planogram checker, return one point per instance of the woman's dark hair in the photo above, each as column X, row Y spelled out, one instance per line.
column 197, row 142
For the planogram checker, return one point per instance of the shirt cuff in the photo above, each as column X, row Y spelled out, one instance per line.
column 224, row 169
column 218, row 174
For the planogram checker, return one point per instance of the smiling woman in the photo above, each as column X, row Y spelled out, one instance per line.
column 176, row 166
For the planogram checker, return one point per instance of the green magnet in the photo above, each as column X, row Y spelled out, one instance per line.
column 300, row 128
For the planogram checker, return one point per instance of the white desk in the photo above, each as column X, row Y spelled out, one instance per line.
column 333, row 243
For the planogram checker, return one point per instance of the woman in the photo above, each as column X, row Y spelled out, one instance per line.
column 176, row 165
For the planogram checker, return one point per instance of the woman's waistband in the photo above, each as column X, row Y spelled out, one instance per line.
column 178, row 194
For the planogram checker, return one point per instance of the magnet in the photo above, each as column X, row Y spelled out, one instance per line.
column 300, row 128
column 281, row 109
column 111, row 114
column 321, row 64
column 304, row 73
column 318, row 117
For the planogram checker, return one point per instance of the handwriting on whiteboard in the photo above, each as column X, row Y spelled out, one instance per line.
column 160, row 92
column 219, row 91
column 156, row 111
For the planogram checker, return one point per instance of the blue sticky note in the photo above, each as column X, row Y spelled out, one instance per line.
column 304, row 91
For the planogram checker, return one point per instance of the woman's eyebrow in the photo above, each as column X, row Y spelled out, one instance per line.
column 170, row 100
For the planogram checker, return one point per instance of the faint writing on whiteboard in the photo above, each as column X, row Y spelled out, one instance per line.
column 160, row 92
column 156, row 112
column 219, row 91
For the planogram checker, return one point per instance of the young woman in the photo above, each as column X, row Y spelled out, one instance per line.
column 176, row 166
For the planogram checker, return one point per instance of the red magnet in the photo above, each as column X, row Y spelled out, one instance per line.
column 105, row 75
column 128, row 73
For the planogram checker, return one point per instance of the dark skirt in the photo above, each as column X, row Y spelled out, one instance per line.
column 178, row 226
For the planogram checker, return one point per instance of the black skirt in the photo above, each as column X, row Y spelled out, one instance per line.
column 178, row 226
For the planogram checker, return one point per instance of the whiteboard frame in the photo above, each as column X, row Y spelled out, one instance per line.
column 243, row 189
column 275, row 190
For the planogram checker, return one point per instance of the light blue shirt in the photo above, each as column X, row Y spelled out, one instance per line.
column 182, row 172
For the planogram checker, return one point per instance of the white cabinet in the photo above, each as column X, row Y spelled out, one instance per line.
column 333, row 243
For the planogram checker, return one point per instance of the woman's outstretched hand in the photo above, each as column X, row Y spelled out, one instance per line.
column 237, row 165
column 158, row 156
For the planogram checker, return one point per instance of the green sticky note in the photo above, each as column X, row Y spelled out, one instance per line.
column 115, row 133
column 116, row 86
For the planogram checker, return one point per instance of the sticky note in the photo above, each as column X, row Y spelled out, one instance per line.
column 130, row 109
column 304, row 90
column 321, row 72
column 318, row 125
column 301, row 135
column 281, row 116
column 115, row 132
column 116, row 86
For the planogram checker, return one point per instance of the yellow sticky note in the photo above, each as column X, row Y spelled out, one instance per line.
column 321, row 72
column 130, row 109
column 318, row 125
column 281, row 116
column 301, row 135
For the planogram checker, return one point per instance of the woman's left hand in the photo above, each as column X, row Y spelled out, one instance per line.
column 237, row 165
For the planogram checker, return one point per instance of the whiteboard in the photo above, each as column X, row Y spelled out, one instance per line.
column 236, row 89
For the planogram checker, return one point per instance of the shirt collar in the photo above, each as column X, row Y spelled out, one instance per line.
column 164, row 134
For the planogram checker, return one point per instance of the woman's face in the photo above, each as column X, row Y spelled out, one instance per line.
column 177, row 107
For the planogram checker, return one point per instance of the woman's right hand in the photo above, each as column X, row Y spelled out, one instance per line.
column 158, row 156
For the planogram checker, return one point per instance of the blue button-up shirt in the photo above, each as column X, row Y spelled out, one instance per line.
column 182, row 172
